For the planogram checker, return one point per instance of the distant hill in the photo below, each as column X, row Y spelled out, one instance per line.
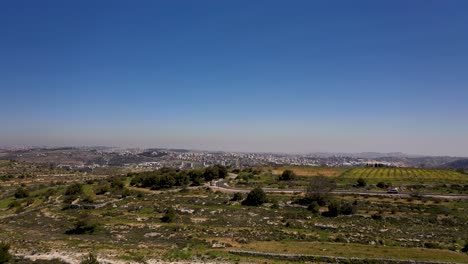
column 458, row 164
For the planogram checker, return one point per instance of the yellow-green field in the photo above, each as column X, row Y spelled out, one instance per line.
column 309, row 170
column 404, row 175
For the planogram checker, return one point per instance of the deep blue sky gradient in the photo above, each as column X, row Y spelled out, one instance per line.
column 293, row 76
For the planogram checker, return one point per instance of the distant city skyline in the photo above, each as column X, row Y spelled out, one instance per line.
column 246, row 76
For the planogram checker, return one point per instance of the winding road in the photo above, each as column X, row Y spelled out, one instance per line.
column 222, row 185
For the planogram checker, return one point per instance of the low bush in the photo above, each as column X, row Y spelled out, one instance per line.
column 431, row 245
column 377, row 217
column 84, row 225
column 383, row 185
column 348, row 209
column 74, row 189
column 237, row 197
column 314, row 207
column 21, row 192
column 465, row 248
column 169, row 216
column 4, row 252
column 361, row 182
column 333, row 209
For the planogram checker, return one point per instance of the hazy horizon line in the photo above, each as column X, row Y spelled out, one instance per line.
column 9, row 147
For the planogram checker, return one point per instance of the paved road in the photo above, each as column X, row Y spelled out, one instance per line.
column 222, row 185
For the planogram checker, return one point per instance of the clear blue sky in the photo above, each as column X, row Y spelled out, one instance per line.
column 286, row 76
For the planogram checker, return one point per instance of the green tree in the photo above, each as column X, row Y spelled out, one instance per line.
column 222, row 171
column 319, row 189
column 196, row 177
column 211, row 173
column 287, row 175
column 255, row 197
column 182, row 179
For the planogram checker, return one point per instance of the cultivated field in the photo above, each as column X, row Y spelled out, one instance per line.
column 407, row 179
column 404, row 176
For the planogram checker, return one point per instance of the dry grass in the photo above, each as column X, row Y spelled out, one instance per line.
column 310, row 171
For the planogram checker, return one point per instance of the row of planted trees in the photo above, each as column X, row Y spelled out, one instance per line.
column 168, row 177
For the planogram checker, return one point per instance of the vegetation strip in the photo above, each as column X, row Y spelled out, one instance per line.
column 304, row 257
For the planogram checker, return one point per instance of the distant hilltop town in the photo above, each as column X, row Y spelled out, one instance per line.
column 155, row 158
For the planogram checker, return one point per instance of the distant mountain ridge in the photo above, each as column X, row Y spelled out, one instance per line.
column 458, row 164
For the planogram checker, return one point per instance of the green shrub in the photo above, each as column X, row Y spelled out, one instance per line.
column 465, row 248
column 431, row 245
column 169, row 216
column 74, row 189
column 237, row 196
column 333, row 209
column 30, row 201
column 256, row 197
column 14, row 204
column 88, row 199
column 275, row 204
column 377, row 216
column 314, row 207
column 348, row 209
column 84, row 225
column 361, row 182
column 21, row 192
column 4, row 252
column 116, row 183
column 383, row 185
column 50, row 192
column 102, row 188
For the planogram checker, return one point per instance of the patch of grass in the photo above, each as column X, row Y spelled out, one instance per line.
column 357, row 250
column 177, row 254
column 5, row 202
column 310, row 170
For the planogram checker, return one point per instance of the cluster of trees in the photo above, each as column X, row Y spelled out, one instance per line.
column 336, row 208
column 167, row 177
